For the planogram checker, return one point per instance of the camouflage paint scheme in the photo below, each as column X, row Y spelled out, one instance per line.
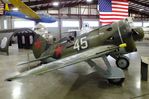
column 105, row 35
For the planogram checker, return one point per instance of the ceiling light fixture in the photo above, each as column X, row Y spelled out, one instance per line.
column 55, row 4
column 89, row 1
column 15, row 9
column 141, row 9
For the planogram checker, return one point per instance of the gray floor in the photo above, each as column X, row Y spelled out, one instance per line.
column 71, row 83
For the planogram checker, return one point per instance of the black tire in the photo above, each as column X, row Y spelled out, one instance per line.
column 123, row 62
column 117, row 81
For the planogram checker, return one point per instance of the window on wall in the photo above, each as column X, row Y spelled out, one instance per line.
column 23, row 24
column 137, row 23
column 55, row 24
column 92, row 23
column 70, row 23
column 146, row 24
column 5, row 24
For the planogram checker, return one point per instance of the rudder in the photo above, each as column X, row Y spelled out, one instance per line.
column 39, row 46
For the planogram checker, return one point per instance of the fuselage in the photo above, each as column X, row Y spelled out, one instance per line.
column 114, row 34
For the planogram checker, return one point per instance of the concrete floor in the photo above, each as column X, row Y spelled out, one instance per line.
column 71, row 82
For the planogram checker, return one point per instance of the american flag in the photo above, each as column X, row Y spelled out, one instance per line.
column 112, row 10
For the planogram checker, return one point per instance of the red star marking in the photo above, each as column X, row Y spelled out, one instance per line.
column 37, row 44
column 58, row 51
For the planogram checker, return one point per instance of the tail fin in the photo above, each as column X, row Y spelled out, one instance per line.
column 39, row 46
column 7, row 7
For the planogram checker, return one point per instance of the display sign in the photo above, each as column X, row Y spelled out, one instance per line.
column 4, row 42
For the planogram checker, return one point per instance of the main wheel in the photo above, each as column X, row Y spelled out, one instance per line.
column 117, row 81
column 122, row 62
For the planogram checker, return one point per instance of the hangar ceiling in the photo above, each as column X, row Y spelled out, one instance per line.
column 136, row 6
column 44, row 4
column 139, row 6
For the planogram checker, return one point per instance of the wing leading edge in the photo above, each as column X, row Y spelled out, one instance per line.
column 68, row 61
column 24, row 8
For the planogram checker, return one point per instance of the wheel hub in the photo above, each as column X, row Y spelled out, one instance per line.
column 122, row 63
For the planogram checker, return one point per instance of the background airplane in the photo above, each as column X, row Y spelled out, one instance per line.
column 26, row 13
column 115, row 40
column 43, row 18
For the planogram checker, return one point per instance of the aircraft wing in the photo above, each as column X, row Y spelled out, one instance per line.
column 39, row 59
column 24, row 8
column 68, row 61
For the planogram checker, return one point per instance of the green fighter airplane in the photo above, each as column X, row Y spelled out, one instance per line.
column 115, row 40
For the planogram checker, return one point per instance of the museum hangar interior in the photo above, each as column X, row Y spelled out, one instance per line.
column 74, row 49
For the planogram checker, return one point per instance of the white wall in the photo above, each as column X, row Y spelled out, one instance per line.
column 139, row 23
column 67, row 24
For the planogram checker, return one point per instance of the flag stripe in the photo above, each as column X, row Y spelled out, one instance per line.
column 121, row 10
column 105, row 23
column 119, row 6
column 124, row 12
column 110, row 19
column 114, row 13
column 119, row 2
column 101, row 17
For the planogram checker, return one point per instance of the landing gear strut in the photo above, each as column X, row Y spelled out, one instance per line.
column 122, row 62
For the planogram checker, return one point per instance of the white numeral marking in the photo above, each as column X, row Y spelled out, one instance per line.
column 76, row 45
column 81, row 44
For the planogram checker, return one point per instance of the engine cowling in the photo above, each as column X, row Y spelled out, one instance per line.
column 138, row 33
column 125, row 33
